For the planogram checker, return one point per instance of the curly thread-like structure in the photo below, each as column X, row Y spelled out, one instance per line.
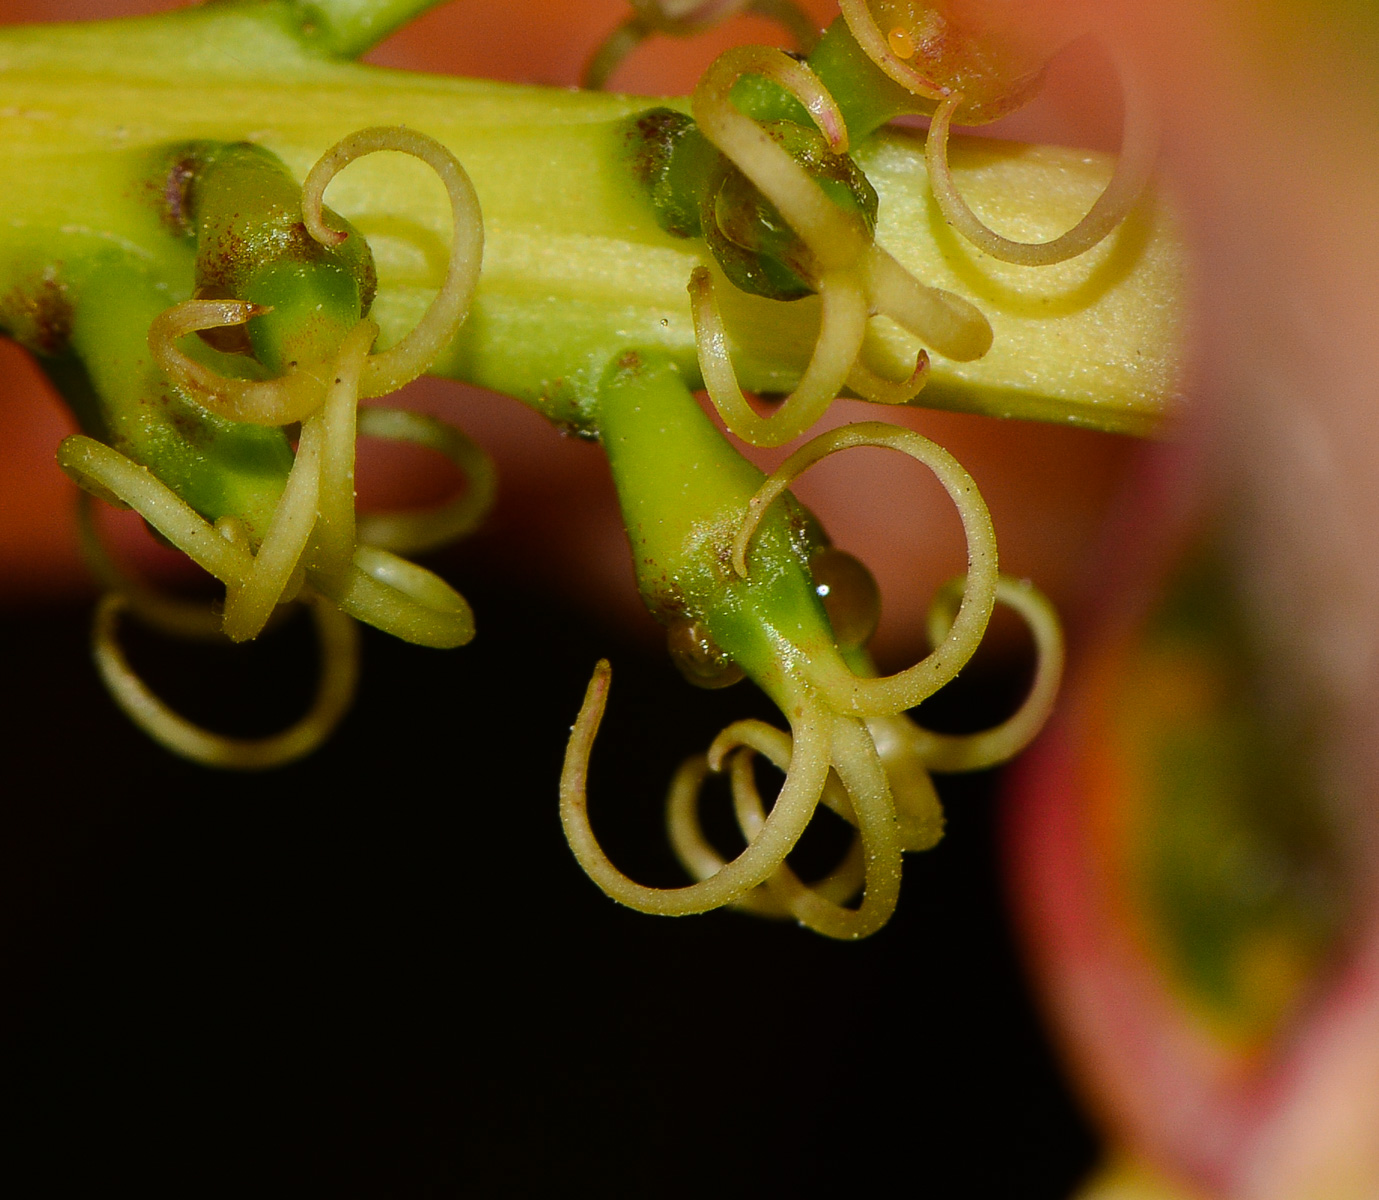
column 301, row 390
column 894, row 51
column 338, row 649
column 883, row 697
column 1139, row 150
column 850, row 746
column 908, row 753
column 389, row 370
column 854, row 277
column 314, row 549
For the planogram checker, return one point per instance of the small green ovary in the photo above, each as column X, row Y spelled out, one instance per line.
column 695, row 192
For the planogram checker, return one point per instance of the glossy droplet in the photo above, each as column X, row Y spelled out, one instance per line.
column 699, row 658
column 849, row 594
column 902, row 45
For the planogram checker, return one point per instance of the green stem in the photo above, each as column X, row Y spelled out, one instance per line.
column 684, row 491
column 576, row 270
column 347, row 28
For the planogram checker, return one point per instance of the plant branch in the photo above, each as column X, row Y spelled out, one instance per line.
column 576, row 270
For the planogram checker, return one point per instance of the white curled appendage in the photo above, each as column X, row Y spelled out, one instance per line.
column 795, row 805
column 880, row 390
column 948, row 752
column 254, row 585
column 317, row 501
column 110, row 475
column 401, row 598
column 389, row 370
column 852, row 275
column 918, row 810
column 318, row 486
column 1139, row 150
column 835, row 238
column 831, row 366
column 955, row 327
column 843, row 883
column 417, row 532
column 226, row 555
column 885, row 696
column 836, row 242
column 694, row 850
column 338, row 641
column 168, row 614
column 863, row 799
column 333, row 537
column 378, row 588
column 258, row 402
column 734, row 750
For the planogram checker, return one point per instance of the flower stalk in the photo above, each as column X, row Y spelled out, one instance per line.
column 576, row 268
column 551, row 263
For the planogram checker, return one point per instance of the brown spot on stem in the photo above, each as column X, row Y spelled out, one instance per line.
column 38, row 313
column 176, row 207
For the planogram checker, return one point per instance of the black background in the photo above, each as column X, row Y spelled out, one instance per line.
column 381, row 973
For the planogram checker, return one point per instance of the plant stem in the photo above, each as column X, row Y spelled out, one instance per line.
column 349, row 27
column 576, row 271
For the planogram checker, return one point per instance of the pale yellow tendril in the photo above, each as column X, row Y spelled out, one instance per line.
column 389, row 370
column 853, row 276
column 892, row 52
column 870, row 865
column 1139, row 149
column 278, row 401
column 187, row 619
column 378, row 587
column 417, row 532
column 951, row 325
column 375, row 586
column 301, row 390
column 836, row 238
column 272, row 576
column 880, row 390
column 694, row 850
column 168, row 614
column 822, row 744
column 736, row 748
column 799, row 796
column 918, row 812
column 891, row 694
column 338, row 641
column 947, row 752
column 110, row 475
column 832, row 365
column 402, row 599
column 335, row 429
column 839, row 886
